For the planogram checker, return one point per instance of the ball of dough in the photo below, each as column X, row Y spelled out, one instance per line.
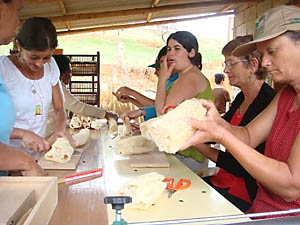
column 170, row 130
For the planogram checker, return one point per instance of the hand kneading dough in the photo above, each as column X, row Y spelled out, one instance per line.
column 61, row 151
column 75, row 122
column 144, row 190
column 126, row 129
column 170, row 131
column 82, row 137
column 98, row 123
column 112, row 126
column 134, row 145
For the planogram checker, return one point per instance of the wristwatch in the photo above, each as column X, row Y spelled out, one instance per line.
column 142, row 112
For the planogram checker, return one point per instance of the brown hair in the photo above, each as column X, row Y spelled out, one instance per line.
column 227, row 50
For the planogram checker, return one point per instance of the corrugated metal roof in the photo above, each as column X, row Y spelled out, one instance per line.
column 78, row 15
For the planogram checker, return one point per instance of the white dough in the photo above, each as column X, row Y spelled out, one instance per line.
column 98, row 124
column 144, row 190
column 82, row 137
column 112, row 126
column 134, row 145
column 126, row 129
column 170, row 130
column 61, row 151
column 75, row 122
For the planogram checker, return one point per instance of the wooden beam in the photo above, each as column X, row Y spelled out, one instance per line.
column 64, row 11
column 130, row 12
column 96, row 29
column 33, row 2
column 154, row 4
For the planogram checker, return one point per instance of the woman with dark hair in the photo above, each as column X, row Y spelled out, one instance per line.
column 246, row 73
column 183, row 58
column 277, row 171
column 34, row 69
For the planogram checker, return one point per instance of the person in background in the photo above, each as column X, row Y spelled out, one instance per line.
column 222, row 96
column 32, row 78
column 246, row 73
column 277, row 171
column 11, row 159
column 149, row 112
column 72, row 103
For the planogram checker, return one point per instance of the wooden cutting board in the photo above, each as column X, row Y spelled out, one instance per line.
column 71, row 165
column 153, row 159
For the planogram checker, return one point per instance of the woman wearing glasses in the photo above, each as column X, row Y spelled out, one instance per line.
column 246, row 73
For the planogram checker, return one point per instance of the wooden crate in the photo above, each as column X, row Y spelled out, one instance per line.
column 45, row 191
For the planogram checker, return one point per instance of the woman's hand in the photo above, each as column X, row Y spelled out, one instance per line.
column 166, row 70
column 35, row 170
column 67, row 136
column 112, row 114
column 208, row 129
column 131, row 114
column 124, row 91
column 34, row 142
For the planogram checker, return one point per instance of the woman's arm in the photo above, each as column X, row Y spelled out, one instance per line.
column 14, row 159
column 78, row 107
column 139, row 99
column 58, row 106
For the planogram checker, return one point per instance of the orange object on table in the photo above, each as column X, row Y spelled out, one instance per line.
column 181, row 184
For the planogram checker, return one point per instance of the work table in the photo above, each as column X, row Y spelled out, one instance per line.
column 82, row 203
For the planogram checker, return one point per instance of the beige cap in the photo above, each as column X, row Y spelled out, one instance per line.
column 271, row 24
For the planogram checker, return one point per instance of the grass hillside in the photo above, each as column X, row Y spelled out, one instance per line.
column 125, row 55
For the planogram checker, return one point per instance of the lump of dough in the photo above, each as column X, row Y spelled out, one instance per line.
column 144, row 190
column 126, row 129
column 112, row 126
column 86, row 121
column 98, row 123
column 170, row 130
column 134, row 145
column 75, row 122
column 82, row 137
column 60, row 152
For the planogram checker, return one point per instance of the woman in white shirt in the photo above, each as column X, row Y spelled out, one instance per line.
column 32, row 78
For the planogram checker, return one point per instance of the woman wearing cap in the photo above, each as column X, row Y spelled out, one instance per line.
column 246, row 73
column 277, row 171
column 35, row 71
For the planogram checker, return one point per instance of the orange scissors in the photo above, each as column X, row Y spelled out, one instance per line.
column 181, row 184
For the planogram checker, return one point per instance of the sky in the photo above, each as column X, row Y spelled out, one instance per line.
column 216, row 27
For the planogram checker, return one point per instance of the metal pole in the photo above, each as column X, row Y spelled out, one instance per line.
column 217, row 218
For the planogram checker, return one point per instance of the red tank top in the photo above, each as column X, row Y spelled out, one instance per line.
column 285, row 128
column 223, row 179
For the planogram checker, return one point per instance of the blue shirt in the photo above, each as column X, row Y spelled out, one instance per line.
column 151, row 111
column 7, row 114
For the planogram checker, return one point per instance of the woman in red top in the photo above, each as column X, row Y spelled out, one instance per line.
column 246, row 73
column 277, row 171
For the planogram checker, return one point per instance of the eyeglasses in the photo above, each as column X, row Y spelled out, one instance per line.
column 230, row 64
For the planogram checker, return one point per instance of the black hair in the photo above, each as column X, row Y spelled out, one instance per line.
column 37, row 33
column 7, row 1
column 63, row 63
column 162, row 52
column 219, row 77
column 189, row 42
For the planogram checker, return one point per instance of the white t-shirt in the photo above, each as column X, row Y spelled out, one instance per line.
column 29, row 96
